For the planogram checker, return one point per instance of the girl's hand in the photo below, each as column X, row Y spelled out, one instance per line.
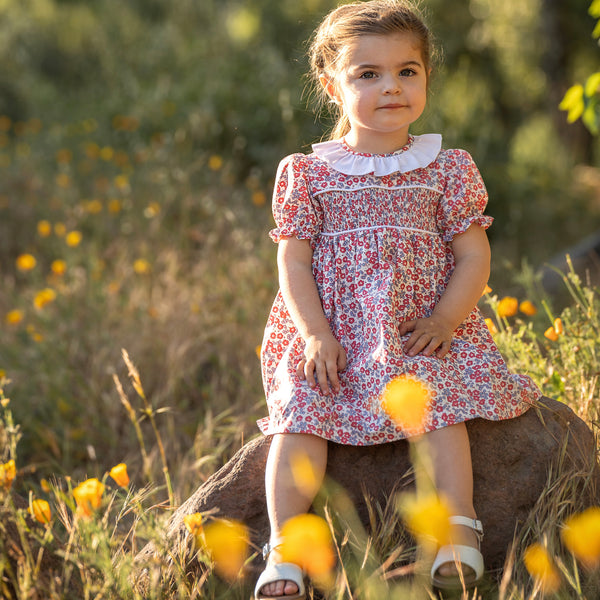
column 324, row 356
column 429, row 336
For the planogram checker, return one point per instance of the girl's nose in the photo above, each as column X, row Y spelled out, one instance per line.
column 392, row 85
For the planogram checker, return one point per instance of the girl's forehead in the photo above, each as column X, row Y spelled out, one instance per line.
column 400, row 45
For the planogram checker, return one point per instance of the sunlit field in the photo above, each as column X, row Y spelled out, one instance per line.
column 137, row 154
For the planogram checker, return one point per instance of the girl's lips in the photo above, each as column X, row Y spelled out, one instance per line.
column 393, row 106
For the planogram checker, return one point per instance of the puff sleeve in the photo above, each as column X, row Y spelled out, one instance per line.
column 295, row 211
column 464, row 198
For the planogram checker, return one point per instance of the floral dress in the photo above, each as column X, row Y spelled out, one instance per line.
column 381, row 228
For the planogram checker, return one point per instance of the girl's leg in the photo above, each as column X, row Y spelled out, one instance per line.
column 284, row 498
column 453, row 477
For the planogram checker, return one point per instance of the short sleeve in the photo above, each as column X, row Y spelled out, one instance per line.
column 464, row 198
column 296, row 212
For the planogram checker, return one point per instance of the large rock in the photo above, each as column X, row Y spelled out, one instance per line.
column 512, row 462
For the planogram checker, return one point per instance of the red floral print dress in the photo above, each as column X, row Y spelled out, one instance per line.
column 381, row 228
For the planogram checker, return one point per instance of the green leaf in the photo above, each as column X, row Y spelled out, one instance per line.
column 591, row 117
column 594, row 9
column 573, row 103
column 592, row 84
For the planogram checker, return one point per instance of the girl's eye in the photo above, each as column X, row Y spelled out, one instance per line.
column 407, row 72
column 368, row 75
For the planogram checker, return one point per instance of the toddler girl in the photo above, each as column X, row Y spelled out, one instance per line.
column 382, row 257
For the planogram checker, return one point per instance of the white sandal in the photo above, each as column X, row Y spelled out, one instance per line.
column 279, row 572
column 458, row 554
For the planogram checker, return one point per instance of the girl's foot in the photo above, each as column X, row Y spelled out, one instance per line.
column 280, row 580
column 464, row 536
column 460, row 563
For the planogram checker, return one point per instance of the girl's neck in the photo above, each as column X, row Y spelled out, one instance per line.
column 376, row 144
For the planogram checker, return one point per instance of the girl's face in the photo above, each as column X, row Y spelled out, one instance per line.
column 382, row 89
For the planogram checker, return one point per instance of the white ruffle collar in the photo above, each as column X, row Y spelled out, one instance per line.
column 420, row 151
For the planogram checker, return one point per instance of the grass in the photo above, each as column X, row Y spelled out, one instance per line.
column 144, row 353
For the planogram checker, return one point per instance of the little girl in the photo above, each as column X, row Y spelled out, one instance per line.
column 382, row 258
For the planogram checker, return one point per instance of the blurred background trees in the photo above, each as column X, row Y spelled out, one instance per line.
column 228, row 75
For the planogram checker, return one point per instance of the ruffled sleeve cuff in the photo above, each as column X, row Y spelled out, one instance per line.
column 458, row 228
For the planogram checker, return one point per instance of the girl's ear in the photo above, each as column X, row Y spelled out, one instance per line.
column 330, row 88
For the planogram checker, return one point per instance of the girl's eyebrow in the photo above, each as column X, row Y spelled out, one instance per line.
column 408, row 63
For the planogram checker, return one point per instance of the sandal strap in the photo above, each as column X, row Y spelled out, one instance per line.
column 474, row 524
column 269, row 547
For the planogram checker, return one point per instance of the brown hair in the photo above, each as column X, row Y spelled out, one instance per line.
column 347, row 22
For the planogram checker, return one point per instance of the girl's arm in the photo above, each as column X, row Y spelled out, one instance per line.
column 323, row 354
column 434, row 334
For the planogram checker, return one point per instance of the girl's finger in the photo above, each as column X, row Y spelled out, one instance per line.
column 300, row 370
column 309, row 373
column 322, row 377
column 407, row 327
column 332, row 373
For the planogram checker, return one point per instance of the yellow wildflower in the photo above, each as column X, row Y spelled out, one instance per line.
column 486, row 290
column 215, row 162
column 428, row 518
column 120, row 475
column 259, row 198
column 14, row 317
column 58, row 266
column 60, row 229
column 44, row 228
column 92, row 150
column 507, row 307
column 40, row 509
column 114, row 206
column 8, row 472
column 26, row 262
column 44, row 297
column 45, row 485
column 541, row 567
column 528, row 308
column 227, row 543
column 581, row 536
column 558, row 326
column 307, row 543
column 93, row 207
column 122, row 182
column 551, row 334
column 193, row 524
column 491, row 326
column 303, row 473
column 141, row 266
column 406, row 401
column 73, row 238
column 88, row 496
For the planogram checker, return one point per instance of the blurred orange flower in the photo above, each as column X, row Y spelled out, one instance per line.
column 507, row 307
column 307, row 542
column 486, row 290
column 428, row 518
column 14, row 317
column 406, row 401
column 26, row 262
column 58, row 266
column 88, row 496
column 491, row 326
column 193, row 524
column 8, row 472
column 227, row 543
column 141, row 266
column 581, row 536
column 558, row 326
column 551, row 334
column 40, row 509
column 528, row 308
column 44, row 297
column 44, row 228
column 541, row 567
column 73, row 238
column 120, row 475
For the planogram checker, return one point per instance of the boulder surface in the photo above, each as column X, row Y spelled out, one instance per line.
column 512, row 462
